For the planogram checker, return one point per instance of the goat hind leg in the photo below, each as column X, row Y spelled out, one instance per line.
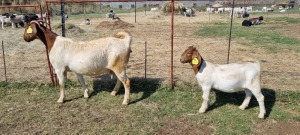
column 260, row 98
column 82, row 82
column 246, row 100
column 116, row 88
column 126, row 83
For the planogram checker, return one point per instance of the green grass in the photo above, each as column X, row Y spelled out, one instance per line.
column 261, row 35
column 285, row 19
column 32, row 108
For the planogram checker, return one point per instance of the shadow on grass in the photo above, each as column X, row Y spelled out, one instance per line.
column 137, row 85
column 237, row 99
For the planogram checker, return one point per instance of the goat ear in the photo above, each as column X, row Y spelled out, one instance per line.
column 191, row 46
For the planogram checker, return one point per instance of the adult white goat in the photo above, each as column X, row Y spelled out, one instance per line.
column 4, row 19
column 94, row 57
column 227, row 78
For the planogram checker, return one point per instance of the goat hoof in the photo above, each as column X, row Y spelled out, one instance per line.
column 242, row 107
column 60, row 101
column 261, row 116
column 86, row 93
column 86, row 96
column 125, row 102
column 201, row 111
column 113, row 93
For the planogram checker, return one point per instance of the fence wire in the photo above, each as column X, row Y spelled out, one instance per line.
column 151, row 45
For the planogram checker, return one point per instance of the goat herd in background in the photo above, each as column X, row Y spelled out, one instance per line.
column 110, row 55
column 238, row 12
column 21, row 20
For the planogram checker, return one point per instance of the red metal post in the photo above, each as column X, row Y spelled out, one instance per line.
column 48, row 15
column 172, row 37
column 52, row 75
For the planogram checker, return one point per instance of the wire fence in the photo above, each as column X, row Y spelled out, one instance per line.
column 151, row 56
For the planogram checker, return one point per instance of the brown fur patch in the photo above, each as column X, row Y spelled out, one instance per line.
column 119, row 36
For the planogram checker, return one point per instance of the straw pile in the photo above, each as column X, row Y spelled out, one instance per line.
column 119, row 24
column 166, row 7
column 70, row 28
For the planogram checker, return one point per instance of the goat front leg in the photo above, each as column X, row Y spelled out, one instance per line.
column 205, row 96
column 61, row 78
column 13, row 25
column 82, row 82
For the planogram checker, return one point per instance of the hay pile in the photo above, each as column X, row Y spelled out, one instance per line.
column 166, row 7
column 70, row 28
column 119, row 24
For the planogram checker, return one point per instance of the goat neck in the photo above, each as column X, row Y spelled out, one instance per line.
column 196, row 61
column 47, row 37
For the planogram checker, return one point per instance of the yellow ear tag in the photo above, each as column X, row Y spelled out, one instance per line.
column 29, row 30
column 195, row 61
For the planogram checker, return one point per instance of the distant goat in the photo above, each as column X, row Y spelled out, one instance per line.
column 227, row 78
column 256, row 21
column 29, row 17
column 112, row 15
column 4, row 19
column 17, row 20
column 14, row 19
column 188, row 12
column 253, row 21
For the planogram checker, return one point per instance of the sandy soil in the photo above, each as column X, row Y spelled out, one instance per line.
column 280, row 71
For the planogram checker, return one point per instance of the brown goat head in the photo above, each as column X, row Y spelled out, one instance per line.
column 189, row 55
column 31, row 31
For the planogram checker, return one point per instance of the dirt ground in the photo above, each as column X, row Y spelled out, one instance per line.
column 280, row 71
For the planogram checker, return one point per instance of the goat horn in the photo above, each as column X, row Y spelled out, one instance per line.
column 41, row 21
column 37, row 22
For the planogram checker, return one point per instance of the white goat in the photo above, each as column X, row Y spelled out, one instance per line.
column 85, row 58
column 154, row 10
column 210, row 9
column 227, row 78
column 4, row 19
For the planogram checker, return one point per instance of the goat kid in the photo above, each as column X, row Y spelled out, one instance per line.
column 227, row 78
column 257, row 21
column 85, row 58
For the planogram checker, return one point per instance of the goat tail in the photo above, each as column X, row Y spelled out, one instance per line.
column 126, row 36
